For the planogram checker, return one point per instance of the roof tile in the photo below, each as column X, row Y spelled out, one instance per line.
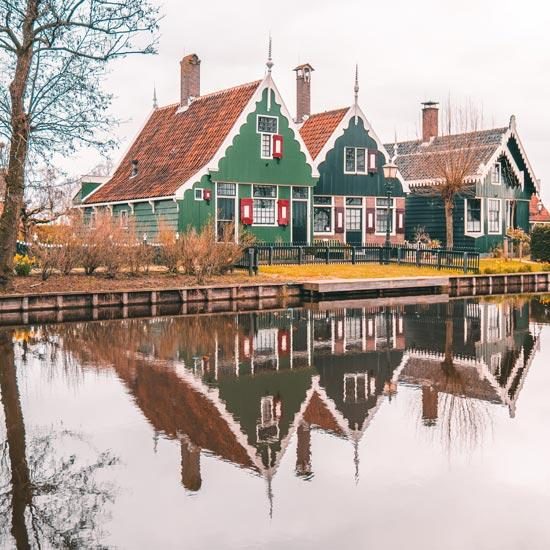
column 318, row 128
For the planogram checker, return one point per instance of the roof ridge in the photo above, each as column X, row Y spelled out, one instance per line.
column 502, row 129
column 225, row 90
column 330, row 111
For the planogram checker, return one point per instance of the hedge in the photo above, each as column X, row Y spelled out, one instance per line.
column 540, row 243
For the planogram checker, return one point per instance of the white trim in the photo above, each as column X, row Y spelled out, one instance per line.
column 267, row 116
column 213, row 164
column 129, row 202
column 481, row 232
column 356, row 172
column 275, row 200
column 201, row 197
column 270, row 155
column 307, row 200
column 499, row 231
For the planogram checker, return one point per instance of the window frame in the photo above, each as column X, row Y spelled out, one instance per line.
column 468, row 232
column 274, row 201
column 266, row 136
column 200, row 196
column 489, row 220
column 393, row 209
column 355, row 171
column 261, row 132
column 496, row 169
column 124, row 218
column 328, row 206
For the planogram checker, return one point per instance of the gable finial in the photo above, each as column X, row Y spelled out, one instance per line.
column 155, row 102
column 269, row 63
column 356, row 86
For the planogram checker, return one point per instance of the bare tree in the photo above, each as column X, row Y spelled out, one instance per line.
column 53, row 55
column 452, row 162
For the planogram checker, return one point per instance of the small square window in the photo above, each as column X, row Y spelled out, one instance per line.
column 266, row 146
column 299, row 192
column 199, row 194
column 322, row 200
column 354, row 201
column 227, row 189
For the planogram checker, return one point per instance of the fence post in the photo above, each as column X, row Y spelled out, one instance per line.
column 270, row 256
column 399, row 250
column 327, row 254
column 465, row 260
column 300, row 255
column 439, row 260
column 250, row 261
column 353, row 255
column 418, row 252
column 380, row 255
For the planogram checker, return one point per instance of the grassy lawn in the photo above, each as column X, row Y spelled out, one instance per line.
column 374, row 271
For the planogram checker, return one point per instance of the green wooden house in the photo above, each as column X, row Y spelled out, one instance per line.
column 350, row 198
column 498, row 187
column 230, row 157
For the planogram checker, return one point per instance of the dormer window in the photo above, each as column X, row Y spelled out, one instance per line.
column 134, row 169
column 496, row 176
column 267, row 127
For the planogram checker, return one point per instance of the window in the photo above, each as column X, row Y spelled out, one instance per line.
column 300, row 193
column 355, row 160
column 473, row 216
column 322, row 215
column 268, row 124
column 382, row 219
column 353, row 219
column 354, row 201
column 124, row 219
column 264, row 204
column 225, row 208
column 493, row 213
column 266, row 127
column 510, row 210
column 198, row 194
column 496, row 174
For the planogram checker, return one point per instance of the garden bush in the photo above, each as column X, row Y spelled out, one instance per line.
column 22, row 265
column 540, row 243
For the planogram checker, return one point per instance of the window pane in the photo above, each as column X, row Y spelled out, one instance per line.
column 299, row 193
column 264, row 211
column 226, row 209
column 354, row 201
column 383, row 201
column 473, row 215
column 266, row 145
column 227, row 189
column 361, row 159
column 322, row 220
column 322, row 200
column 267, row 124
column 382, row 220
column 350, row 159
column 494, row 216
column 353, row 219
column 265, row 191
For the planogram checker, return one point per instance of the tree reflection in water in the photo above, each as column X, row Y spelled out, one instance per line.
column 53, row 499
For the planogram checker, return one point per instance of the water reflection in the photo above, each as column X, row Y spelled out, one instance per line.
column 241, row 387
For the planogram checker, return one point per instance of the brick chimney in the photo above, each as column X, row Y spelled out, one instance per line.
column 190, row 67
column 430, row 120
column 303, row 91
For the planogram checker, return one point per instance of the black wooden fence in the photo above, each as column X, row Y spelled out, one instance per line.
column 438, row 258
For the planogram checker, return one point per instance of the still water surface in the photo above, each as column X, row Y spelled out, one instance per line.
column 372, row 426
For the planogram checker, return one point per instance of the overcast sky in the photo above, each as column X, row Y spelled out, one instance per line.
column 496, row 54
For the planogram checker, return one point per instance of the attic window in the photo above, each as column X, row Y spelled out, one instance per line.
column 134, row 169
column 267, row 124
column 355, row 160
column 496, row 174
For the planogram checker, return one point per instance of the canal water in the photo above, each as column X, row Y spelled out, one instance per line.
column 337, row 425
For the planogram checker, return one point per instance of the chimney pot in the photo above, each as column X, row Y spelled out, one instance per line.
column 190, row 71
column 303, row 91
column 430, row 120
column 134, row 168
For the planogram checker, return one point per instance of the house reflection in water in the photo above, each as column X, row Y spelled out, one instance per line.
column 240, row 387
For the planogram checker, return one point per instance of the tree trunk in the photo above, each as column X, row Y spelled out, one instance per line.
column 19, row 145
column 449, row 207
column 15, row 435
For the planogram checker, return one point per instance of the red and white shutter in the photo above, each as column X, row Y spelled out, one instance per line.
column 371, row 160
column 400, row 220
column 339, row 219
column 277, row 146
column 247, row 212
column 283, row 206
column 371, row 221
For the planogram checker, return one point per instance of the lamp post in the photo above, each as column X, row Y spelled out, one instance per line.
column 390, row 173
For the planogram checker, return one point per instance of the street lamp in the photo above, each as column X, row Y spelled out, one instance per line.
column 390, row 173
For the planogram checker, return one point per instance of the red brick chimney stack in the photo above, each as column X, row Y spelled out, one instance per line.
column 303, row 91
column 190, row 67
column 430, row 120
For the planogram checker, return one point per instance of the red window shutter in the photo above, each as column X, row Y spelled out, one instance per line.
column 247, row 212
column 339, row 219
column 400, row 220
column 206, row 194
column 371, row 159
column 277, row 146
column 283, row 341
column 371, row 220
column 282, row 211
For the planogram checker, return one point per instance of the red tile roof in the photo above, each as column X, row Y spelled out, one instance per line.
column 174, row 145
column 318, row 128
column 534, row 215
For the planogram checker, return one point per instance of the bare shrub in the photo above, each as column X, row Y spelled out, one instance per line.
column 138, row 255
column 46, row 257
column 170, row 247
